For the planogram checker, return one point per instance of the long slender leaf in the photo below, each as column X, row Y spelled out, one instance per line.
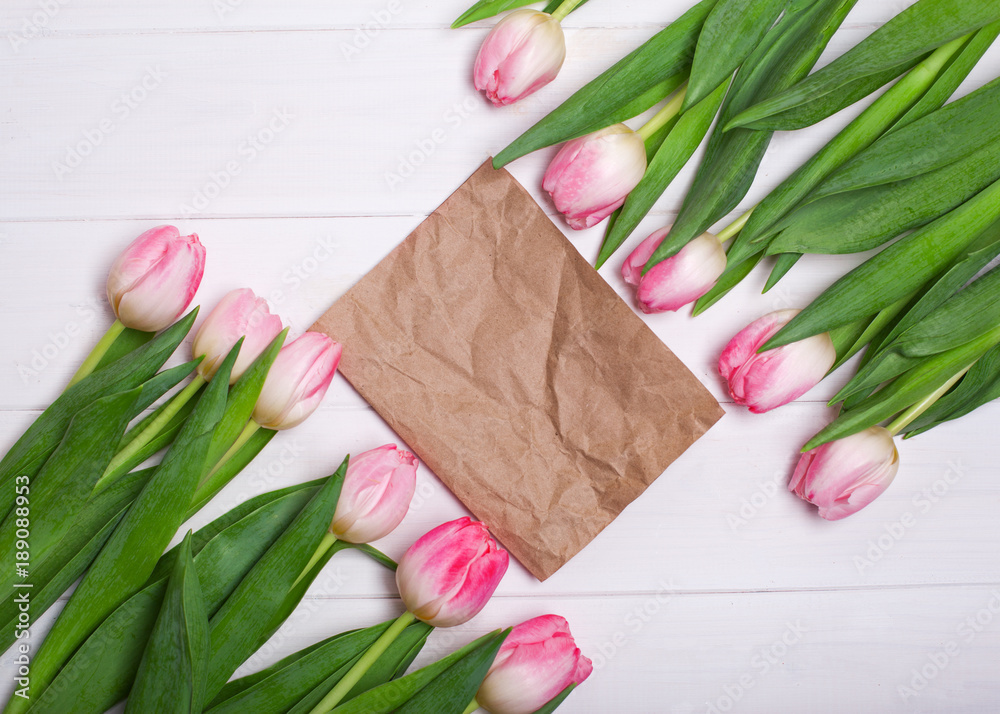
column 665, row 55
column 978, row 387
column 731, row 32
column 391, row 696
column 917, row 30
column 128, row 341
column 896, row 271
column 44, row 435
column 133, row 549
column 786, row 54
column 102, row 670
column 171, row 674
column 491, row 8
column 245, row 620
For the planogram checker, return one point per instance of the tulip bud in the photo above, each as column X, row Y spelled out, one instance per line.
column 591, row 176
column 680, row 279
column 775, row 377
column 297, row 381
column 843, row 476
column 239, row 314
column 449, row 574
column 376, row 494
column 538, row 660
column 154, row 280
column 522, row 53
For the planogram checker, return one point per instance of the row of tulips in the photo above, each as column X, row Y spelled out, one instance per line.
column 167, row 630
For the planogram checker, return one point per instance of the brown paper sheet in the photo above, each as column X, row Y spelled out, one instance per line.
column 515, row 372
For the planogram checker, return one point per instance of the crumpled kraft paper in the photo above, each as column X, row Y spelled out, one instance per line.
column 515, row 372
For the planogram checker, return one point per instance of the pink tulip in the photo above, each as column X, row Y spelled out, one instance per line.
column 775, row 377
column 536, row 662
column 239, row 314
column 680, row 279
column 449, row 574
column 377, row 491
column 522, row 54
column 843, row 476
column 591, row 176
column 297, row 381
column 154, row 280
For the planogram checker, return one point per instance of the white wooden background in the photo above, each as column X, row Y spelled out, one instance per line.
column 276, row 130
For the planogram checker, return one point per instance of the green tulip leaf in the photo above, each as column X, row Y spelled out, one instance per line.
column 103, row 668
column 917, row 30
column 491, row 8
column 44, row 435
column 787, row 53
column 127, row 342
column 132, row 551
column 393, row 696
column 664, row 56
column 171, row 674
column 554, row 703
column 733, row 275
column 979, row 386
column 245, row 621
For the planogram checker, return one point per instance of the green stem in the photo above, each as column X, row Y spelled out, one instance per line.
column 324, row 545
column 907, row 417
column 668, row 112
column 473, row 706
column 153, row 429
column 359, row 669
column 565, row 9
column 97, row 354
column 735, row 227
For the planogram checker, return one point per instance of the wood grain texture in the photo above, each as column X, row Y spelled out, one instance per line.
column 277, row 131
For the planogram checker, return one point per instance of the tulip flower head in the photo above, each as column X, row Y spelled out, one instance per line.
column 843, row 476
column 378, row 487
column 297, row 381
column 450, row 573
column 536, row 662
column 591, row 176
column 777, row 376
column 239, row 314
column 680, row 279
column 522, row 53
column 153, row 281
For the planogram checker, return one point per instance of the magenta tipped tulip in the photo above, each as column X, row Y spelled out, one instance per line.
column 841, row 477
column 378, row 487
column 775, row 377
column 450, row 573
column 153, row 281
column 536, row 662
column 239, row 314
column 680, row 279
column 297, row 381
column 591, row 176
column 522, row 53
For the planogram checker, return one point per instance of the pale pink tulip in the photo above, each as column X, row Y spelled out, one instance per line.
column 522, row 54
column 239, row 314
column 297, row 381
column 591, row 176
column 450, row 573
column 536, row 662
column 154, row 280
column 680, row 279
column 377, row 491
column 841, row 477
column 775, row 377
